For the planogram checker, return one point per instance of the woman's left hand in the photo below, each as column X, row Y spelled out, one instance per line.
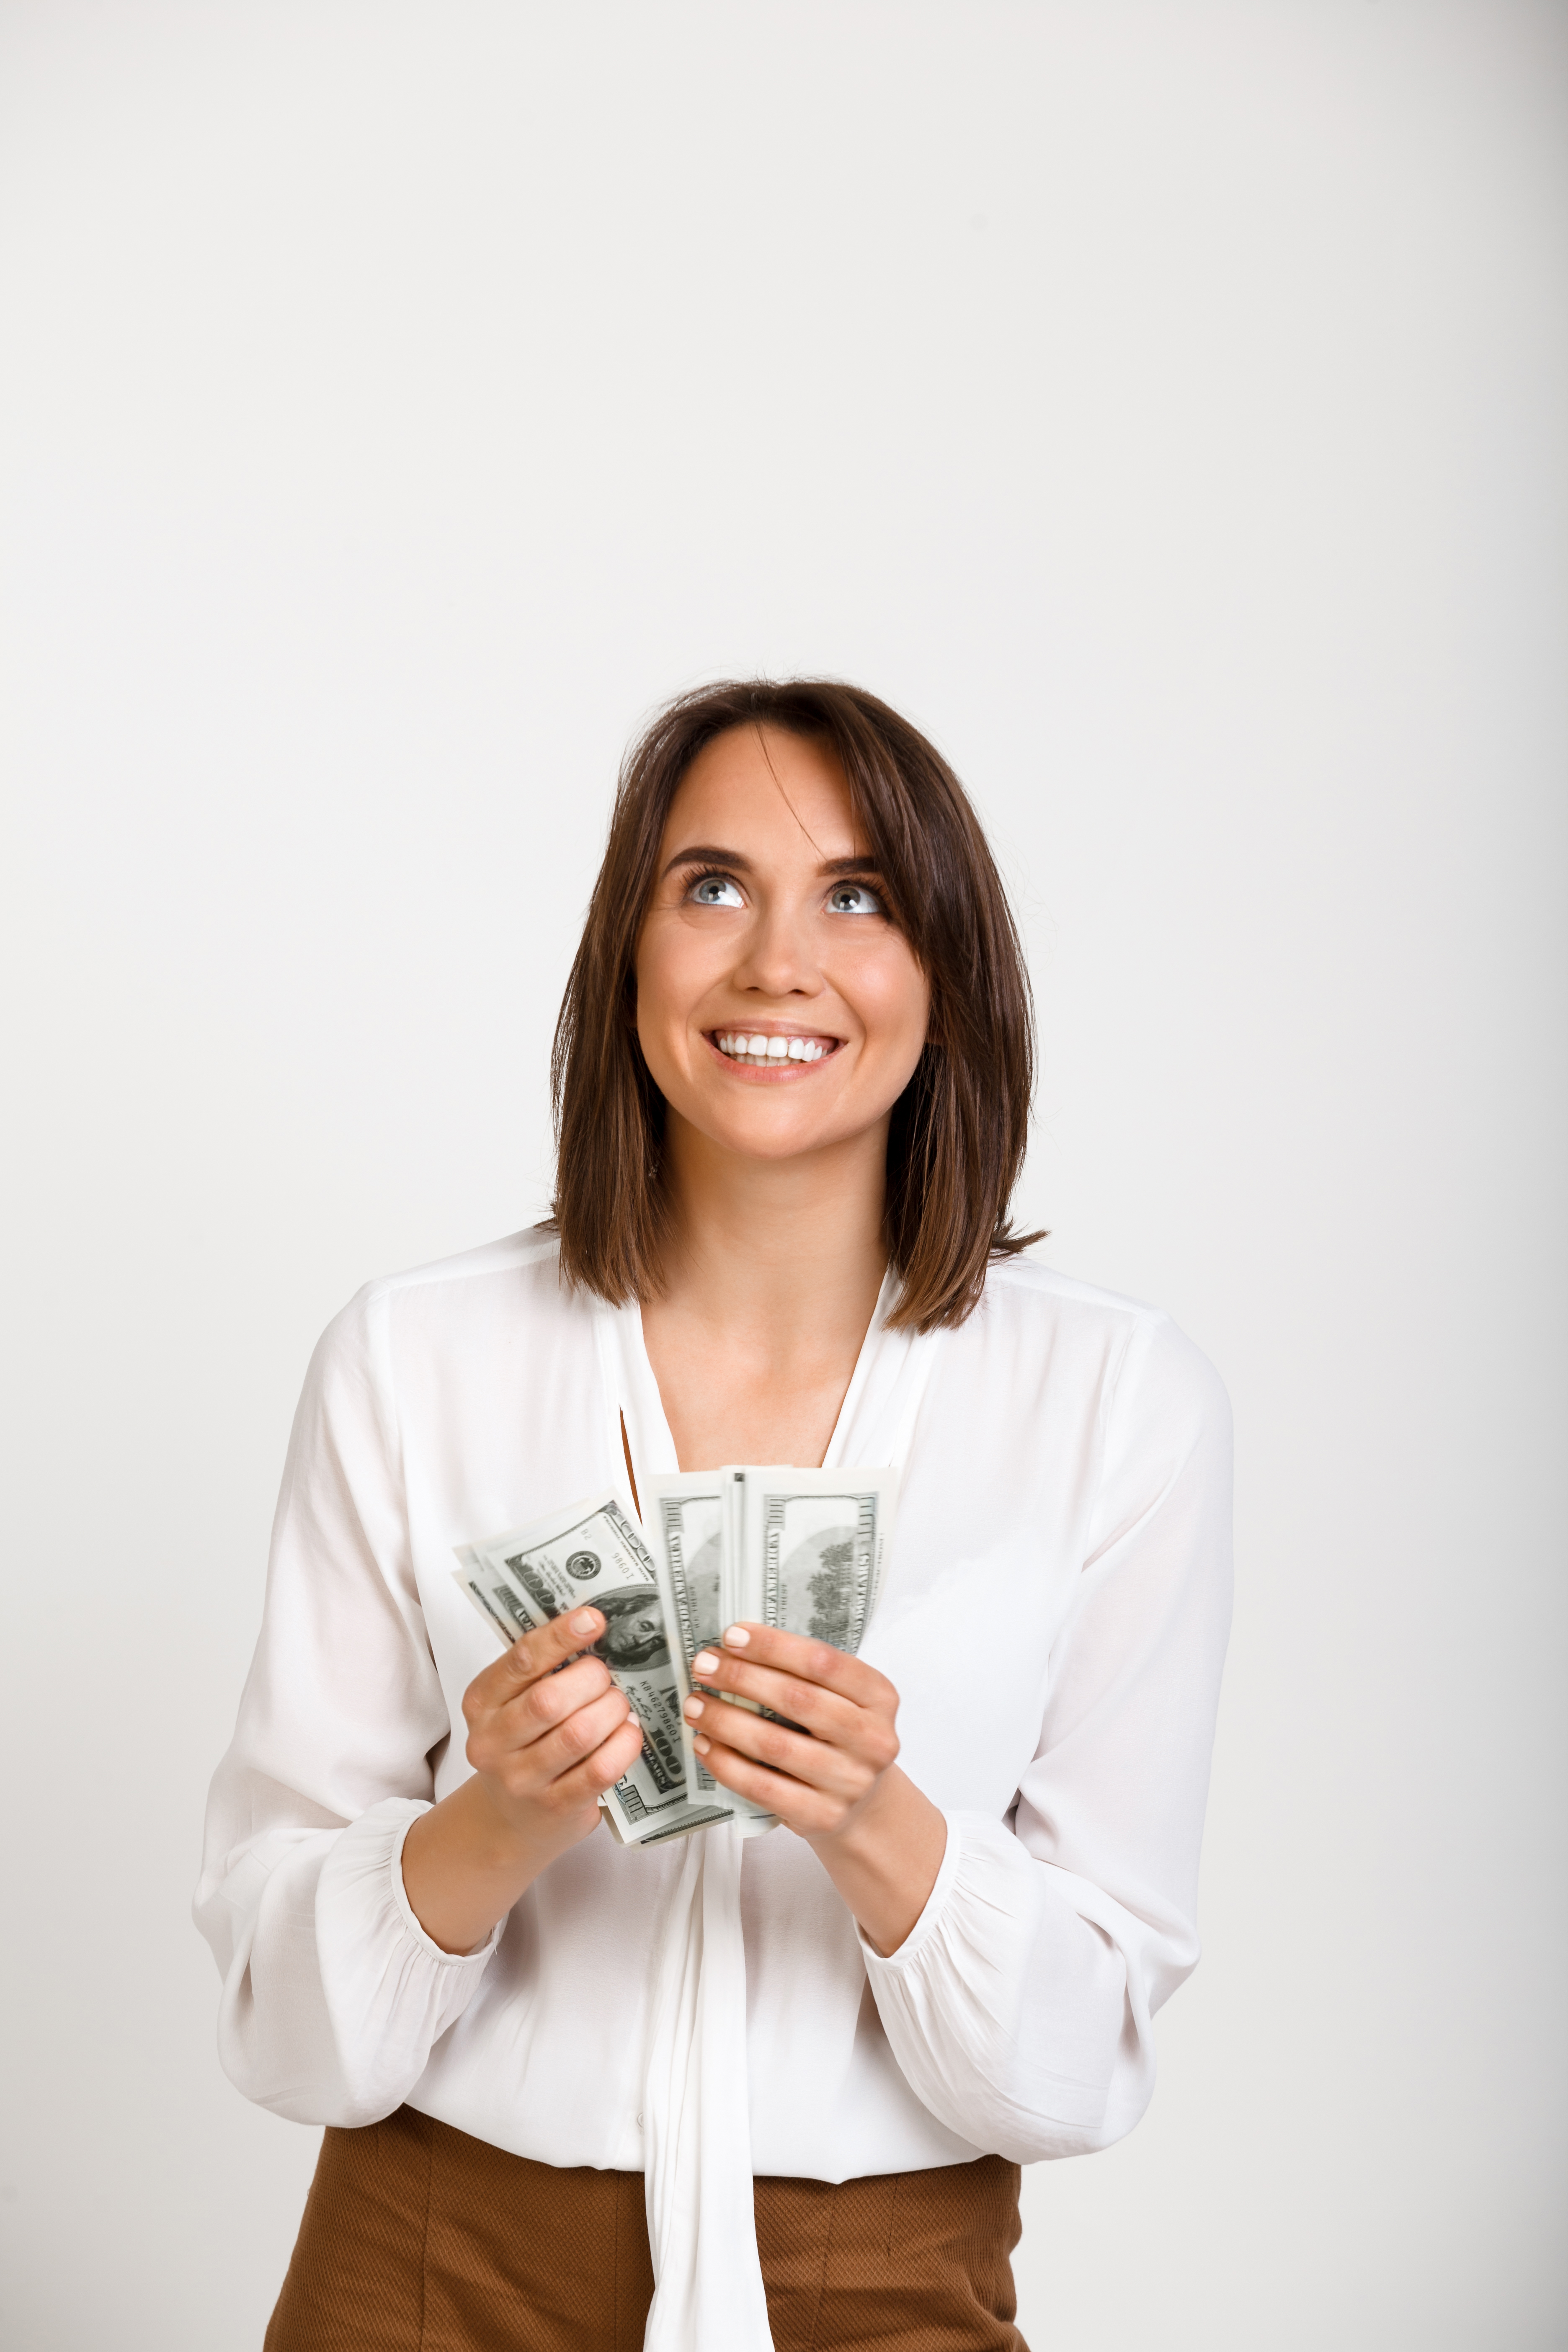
column 835, row 1779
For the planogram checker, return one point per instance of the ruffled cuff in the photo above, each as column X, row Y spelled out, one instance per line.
column 1003, row 2005
column 935, row 1905
column 391, row 1991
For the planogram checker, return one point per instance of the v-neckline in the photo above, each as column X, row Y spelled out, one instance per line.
column 647, row 1400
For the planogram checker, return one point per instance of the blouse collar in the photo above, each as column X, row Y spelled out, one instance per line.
column 876, row 1421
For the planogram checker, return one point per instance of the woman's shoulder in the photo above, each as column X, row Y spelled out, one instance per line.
column 535, row 1250
column 517, row 1277
column 1025, row 1291
column 1130, row 1345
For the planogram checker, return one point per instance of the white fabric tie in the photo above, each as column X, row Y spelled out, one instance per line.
column 696, row 2118
column 697, row 2130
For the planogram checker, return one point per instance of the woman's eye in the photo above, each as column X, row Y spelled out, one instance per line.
column 854, row 898
column 715, row 890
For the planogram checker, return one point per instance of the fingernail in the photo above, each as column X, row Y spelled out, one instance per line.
column 704, row 1663
column 702, row 1745
column 693, row 1709
column 585, row 1621
column 736, row 1638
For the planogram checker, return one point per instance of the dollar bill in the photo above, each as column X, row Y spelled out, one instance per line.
column 690, row 1530
column 693, row 1518
column 817, row 1543
column 593, row 1553
column 802, row 1550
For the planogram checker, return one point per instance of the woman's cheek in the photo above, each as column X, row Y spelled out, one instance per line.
column 673, row 971
column 891, row 994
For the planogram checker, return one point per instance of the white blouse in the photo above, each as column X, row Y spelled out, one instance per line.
column 1054, row 1616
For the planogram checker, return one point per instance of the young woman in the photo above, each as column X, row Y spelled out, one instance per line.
column 792, row 1077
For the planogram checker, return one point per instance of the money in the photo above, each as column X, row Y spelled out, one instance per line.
column 698, row 1524
column 688, row 1531
column 691, row 1530
column 804, row 1550
column 815, row 1547
column 592, row 1552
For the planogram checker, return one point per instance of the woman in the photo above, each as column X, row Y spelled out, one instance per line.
column 792, row 1076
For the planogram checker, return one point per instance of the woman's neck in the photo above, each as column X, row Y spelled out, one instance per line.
column 771, row 1279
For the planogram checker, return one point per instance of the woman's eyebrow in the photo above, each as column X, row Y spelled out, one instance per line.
column 707, row 854
column 704, row 855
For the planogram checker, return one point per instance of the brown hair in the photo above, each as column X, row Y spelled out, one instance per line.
column 958, row 1130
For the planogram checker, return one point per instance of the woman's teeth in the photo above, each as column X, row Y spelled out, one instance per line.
column 740, row 1047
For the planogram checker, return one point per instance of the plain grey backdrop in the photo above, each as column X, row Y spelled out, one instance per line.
column 1164, row 405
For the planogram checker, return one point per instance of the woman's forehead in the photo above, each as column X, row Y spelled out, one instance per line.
column 774, row 786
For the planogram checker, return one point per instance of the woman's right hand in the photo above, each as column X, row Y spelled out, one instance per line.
column 546, row 1739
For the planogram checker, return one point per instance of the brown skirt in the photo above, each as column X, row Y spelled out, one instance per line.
column 417, row 2238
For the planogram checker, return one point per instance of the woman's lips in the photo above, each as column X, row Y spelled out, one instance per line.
column 762, row 1049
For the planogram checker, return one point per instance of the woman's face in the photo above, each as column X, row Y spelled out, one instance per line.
column 779, row 1010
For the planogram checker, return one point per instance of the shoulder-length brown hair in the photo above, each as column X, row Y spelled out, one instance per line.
column 958, row 1130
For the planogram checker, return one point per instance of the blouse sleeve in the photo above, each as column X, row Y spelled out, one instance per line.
column 333, row 1993
column 1018, row 2007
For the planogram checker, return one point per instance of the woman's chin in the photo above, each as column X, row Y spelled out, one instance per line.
column 775, row 1132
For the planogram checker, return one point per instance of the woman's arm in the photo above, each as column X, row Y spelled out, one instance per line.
column 332, row 1993
column 835, row 1781
column 340, row 1973
column 1017, row 2002
column 546, row 1739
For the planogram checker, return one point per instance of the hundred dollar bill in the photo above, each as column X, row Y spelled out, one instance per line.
column 815, row 1548
column 802, row 1550
column 690, row 1523
column 592, row 1552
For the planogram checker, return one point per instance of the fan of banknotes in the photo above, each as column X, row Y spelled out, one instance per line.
column 803, row 1550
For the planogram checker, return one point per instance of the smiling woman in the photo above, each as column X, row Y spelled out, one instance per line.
column 864, row 878
column 792, row 1080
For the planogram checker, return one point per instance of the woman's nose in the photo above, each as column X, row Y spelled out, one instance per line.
column 780, row 957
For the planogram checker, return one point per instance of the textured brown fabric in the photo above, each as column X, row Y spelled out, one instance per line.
column 417, row 2238
column 901, row 2261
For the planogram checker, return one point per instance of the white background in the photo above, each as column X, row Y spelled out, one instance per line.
column 1164, row 406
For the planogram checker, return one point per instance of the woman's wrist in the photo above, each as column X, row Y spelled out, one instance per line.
column 885, row 1857
column 464, row 1866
